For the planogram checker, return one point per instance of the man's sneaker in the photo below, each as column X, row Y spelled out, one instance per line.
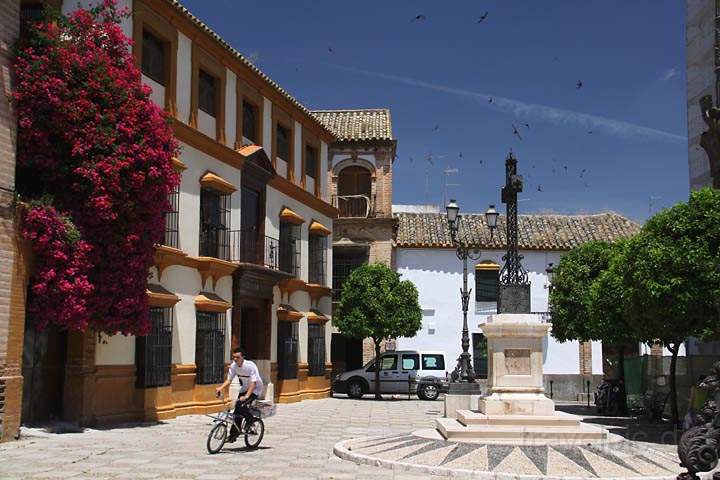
column 231, row 438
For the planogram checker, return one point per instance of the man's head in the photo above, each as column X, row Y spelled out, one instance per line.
column 238, row 355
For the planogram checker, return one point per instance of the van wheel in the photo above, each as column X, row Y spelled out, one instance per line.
column 429, row 391
column 355, row 389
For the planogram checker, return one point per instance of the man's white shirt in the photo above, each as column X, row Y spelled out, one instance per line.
column 247, row 374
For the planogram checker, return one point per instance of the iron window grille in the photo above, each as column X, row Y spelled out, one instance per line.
column 486, row 285
column 317, row 259
column 287, row 349
column 289, row 251
column 342, row 268
column 153, row 352
column 480, row 355
column 283, row 142
column 210, row 347
column 172, row 220
column 153, row 58
column 214, row 224
column 316, row 349
column 249, row 119
column 311, row 162
column 207, row 93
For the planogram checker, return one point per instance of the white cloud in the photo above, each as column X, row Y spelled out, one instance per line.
column 535, row 111
column 671, row 73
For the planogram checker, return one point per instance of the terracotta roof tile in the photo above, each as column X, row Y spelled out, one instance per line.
column 373, row 124
column 535, row 232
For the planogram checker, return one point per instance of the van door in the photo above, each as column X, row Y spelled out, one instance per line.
column 409, row 367
column 433, row 364
column 389, row 373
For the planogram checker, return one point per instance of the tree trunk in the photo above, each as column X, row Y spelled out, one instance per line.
column 621, row 379
column 674, row 349
column 377, row 369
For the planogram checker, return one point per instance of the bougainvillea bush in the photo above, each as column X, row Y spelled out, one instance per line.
column 99, row 153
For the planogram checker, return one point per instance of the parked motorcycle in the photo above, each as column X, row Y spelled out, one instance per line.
column 609, row 397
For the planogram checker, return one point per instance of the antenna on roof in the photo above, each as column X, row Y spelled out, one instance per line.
column 449, row 171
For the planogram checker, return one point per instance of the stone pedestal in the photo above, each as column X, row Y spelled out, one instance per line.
column 515, row 408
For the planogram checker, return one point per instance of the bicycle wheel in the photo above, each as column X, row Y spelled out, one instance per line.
column 216, row 438
column 254, row 432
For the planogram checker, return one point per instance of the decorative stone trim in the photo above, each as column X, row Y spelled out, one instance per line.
column 315, row 316
column 210, row 302
column 317, row 228
column 218, row 183
column 160, row 297
column 178, row 164
column 214, row 268
column 166, row 256
column 288, row 313
column 287, row 215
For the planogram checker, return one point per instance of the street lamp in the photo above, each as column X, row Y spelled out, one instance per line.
column 491, row 217
column 463, row 252
column 550, row 272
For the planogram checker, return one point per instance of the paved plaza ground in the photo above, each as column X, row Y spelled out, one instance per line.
column 298, row 444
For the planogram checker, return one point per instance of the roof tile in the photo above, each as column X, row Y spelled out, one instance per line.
column 372, row 124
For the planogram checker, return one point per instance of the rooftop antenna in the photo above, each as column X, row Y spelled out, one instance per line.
column 449, row 171
column 651, row 204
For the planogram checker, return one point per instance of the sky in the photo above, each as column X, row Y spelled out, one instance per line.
column 619, row 142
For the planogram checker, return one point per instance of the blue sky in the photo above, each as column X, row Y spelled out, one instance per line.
column 617, row 143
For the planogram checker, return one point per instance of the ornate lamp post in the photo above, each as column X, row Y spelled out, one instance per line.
column 463, row 252
column 514, row 291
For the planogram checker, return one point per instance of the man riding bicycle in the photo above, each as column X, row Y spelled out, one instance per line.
column 251, row 385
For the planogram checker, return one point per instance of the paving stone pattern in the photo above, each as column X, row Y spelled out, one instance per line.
column 298, row 445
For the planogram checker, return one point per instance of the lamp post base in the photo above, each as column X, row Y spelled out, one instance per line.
column 464, row 388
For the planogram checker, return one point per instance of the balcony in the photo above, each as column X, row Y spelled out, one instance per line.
column 355, row 206
column 248, row 246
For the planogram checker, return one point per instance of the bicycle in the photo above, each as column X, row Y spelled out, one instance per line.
column 224, row 421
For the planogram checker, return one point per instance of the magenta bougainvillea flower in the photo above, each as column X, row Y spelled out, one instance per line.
column 99, row 152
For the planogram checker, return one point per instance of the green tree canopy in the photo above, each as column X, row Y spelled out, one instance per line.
column 375, row 303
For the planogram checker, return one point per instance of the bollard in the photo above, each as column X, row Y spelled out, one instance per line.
column 551, row 389
column 588, row 393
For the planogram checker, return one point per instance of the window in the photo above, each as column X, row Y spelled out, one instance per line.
column 249, row 122
column 311, row 162
column 411, row 361
column 210, row 347
column 343, row 265
column 207, row 94
column 283, row 143
column 480, row 355
column 289, row 251
column 388, row 362
column 153, row 353
column 153, row 58
column 172, row 217
column 287, row 349
column 433, row 362
column 317, row 249
column 214, row 224
column 316, row 349
column 486, row 285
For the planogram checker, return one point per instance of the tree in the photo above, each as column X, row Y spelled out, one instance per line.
column 671, row 271
column 587, row 300
column 375, row 303
column 94, row 158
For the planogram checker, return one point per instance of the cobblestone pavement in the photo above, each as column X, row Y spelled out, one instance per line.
column 298, row 445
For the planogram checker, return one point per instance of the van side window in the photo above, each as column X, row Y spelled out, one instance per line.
column 433, row 362
column 411, row 361
column 388, row 362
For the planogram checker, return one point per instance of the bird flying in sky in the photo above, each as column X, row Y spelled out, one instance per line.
column 482, row 17
column 515, row 132
column 579, row 84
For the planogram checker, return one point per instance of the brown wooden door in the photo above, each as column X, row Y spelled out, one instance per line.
column 251, row 241
column 354, row 181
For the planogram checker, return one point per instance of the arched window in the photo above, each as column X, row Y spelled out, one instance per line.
column 354, row 198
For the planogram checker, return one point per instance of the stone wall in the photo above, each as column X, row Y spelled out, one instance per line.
column 12, row 291
column 700, row 81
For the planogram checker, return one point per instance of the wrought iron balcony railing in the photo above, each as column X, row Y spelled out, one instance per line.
column 355, row 206
column 215, row 241
column 248, row 246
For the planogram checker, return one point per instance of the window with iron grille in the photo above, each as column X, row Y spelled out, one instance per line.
column 249, row 121
column 207, row 93
column 153, row 352
column 486, row 285
column 316, row 349
column 214, row 224
column 287, row 349
column 317, row 253
column 172, row 218
column 283, row 142
column 153, row 58
column 343, row 265
column 289, row 251
column 210, row 347
column 311, row 162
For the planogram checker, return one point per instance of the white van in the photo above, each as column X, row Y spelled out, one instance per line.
column 406, row 371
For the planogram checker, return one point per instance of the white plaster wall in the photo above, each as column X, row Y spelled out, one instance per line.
column 273, row 324
column 275, row 202
column 301, row 301
column 645, row 349
column 437, row 274
column 281, row 167
column 700, row 37
column 119, row 350
column 184, row 77
column 158, row 91
column 189, row 221
column 206, row 124
column 310, row 184
column 324, row 171
column 69, row 6
column 597, row 358
column 297, row 140
column 185, row 283
column 230, row 108
column 267, row 127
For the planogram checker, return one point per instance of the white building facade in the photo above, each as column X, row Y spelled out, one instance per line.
column 425, row 256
